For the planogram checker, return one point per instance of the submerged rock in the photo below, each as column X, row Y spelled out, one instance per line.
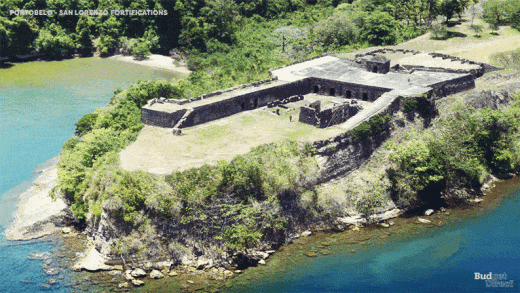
column 311, row 254
column 423, row 221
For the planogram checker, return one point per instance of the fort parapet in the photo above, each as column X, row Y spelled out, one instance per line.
column 367, row 78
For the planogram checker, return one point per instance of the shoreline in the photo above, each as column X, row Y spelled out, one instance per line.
column 36, row 211
column 155, row 61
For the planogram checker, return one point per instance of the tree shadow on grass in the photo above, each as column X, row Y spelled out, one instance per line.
column 5, row 65
column 449, row 35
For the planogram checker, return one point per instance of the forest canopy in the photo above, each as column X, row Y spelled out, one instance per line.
column 297, row 27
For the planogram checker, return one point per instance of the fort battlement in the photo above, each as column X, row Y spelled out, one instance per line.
column 367, row 79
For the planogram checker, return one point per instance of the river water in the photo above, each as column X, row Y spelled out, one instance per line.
column 39, row 104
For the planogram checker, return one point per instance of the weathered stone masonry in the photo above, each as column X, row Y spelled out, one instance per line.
column 365, row 80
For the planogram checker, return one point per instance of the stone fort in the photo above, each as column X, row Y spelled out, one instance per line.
column 345, row 91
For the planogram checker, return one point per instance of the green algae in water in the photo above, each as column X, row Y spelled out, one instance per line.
column 78, row 70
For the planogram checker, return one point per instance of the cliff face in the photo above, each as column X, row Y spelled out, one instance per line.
column 198, row 241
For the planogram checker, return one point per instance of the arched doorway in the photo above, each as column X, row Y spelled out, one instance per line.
column 332, row 92
column 349, row 94
column 374, row 70
column 316, row 89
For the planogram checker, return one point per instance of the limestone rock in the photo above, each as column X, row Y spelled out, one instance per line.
column 138, row 273
column 423, row 221
column 155, row 274
column 261, row 262
column 270, row 251
column 476, row 200
column 128, row 275
column 173, row 274
column 391, row 223
column 203, row 262
column 123, row 285
column 92, row 262
column 66, row 230
column 263, row 255
column 384, row 225
column 428, row 212
column 306, row 233
column 162, row 265
column 137, row 283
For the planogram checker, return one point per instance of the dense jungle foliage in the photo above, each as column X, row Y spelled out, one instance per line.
column 296, row 27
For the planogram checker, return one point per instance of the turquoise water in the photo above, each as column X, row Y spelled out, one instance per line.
column 39, row 107
column 441, row 260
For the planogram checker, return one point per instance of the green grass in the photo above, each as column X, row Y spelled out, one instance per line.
column 508, row 60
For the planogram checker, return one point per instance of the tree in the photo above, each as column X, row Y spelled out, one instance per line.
column 475, row 10
column 477, row 29
column 439, row 28
column 338, row 30
column 53, row 41
column 109, row 30
column 20, row 34
column 141, row 51
column 380, row 28
column 221, row 19
column 283, row 36
column 85, row 29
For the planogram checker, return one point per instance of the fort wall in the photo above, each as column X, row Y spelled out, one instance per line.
column 348, row 90
column 454, row 86
column 161, row 119
column 249, row 101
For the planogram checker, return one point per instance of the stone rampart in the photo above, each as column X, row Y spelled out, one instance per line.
column 249, row 101
column 161, row 119
column 347, row 90
column 454, row 86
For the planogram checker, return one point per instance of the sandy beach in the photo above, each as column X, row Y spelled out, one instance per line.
column 155, row 60
column 37, row 210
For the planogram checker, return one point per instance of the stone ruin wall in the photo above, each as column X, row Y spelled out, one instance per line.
column 161, row 119
column 314, row 116
column 341, row 89
column 183, row 118
column 337, row 114
column 245, row 102
column 454, row 86
column 476, row 73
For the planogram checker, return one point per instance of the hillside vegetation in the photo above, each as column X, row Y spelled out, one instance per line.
column 269, row 193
